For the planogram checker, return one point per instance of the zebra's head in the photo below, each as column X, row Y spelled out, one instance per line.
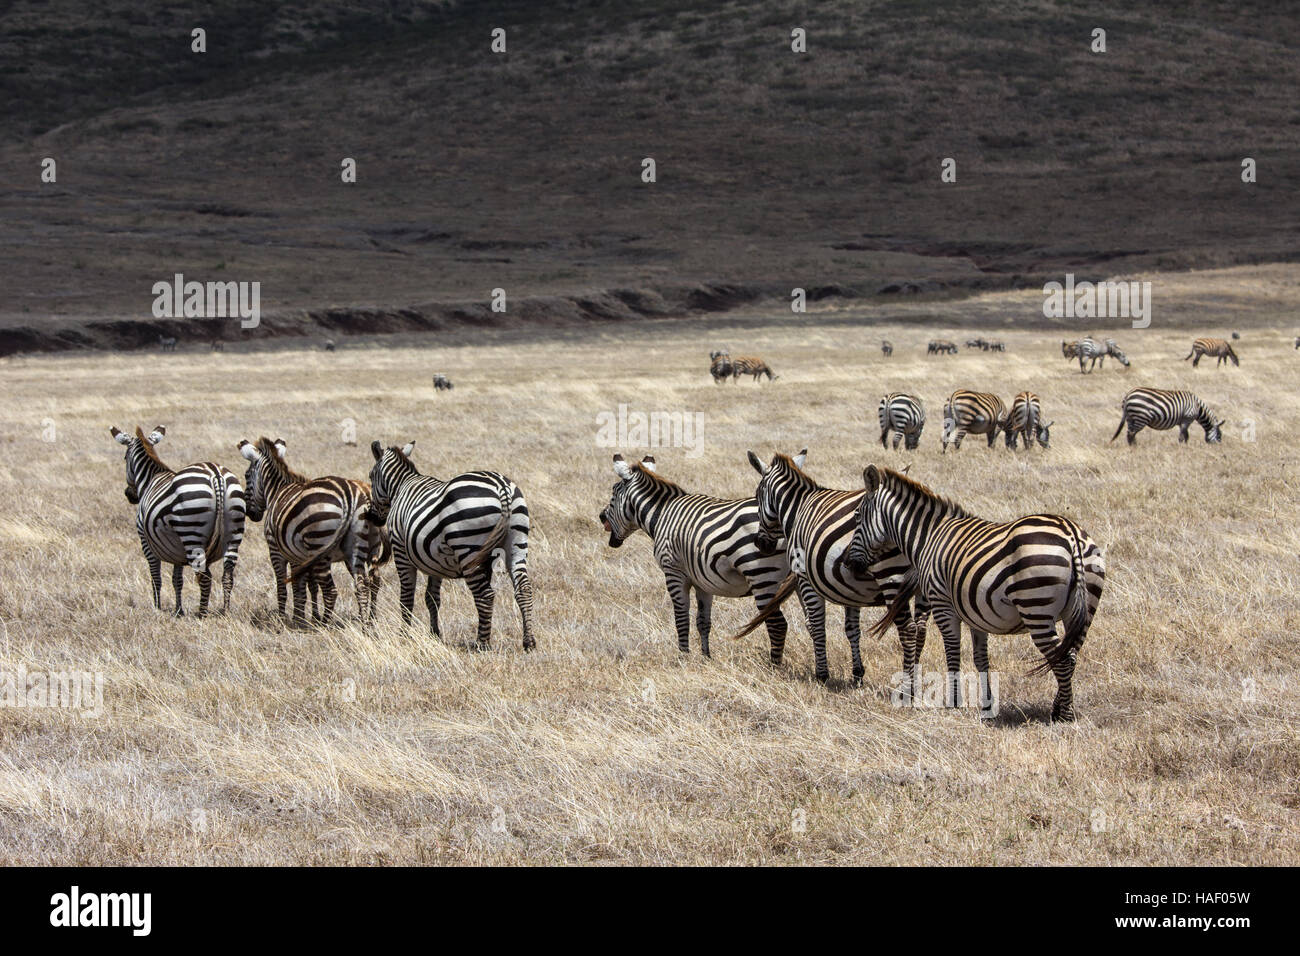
column 391, row 466
column 1214, row 434
column 869, row 540
column 775, row 482
column 141, row 460
column 255, row 476
column 619, row 516
column 1118, row 355
column 1044, row 435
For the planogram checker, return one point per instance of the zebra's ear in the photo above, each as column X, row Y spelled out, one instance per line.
column 800, row 458
column 122, row 438
column 871, row 479
column 279, row 447
column 408, row 448
column 157, row 434
column 649, row 462
column 758, row 464
column 621, row 469
column 376, row 449
column 248, row 450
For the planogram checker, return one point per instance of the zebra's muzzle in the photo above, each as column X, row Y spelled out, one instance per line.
column 614, row 540
column 132, row 497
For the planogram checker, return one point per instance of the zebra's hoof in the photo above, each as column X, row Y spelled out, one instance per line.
column 530, row 645
column 822, row 676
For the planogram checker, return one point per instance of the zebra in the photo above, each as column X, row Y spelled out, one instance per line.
column 720, row 366
column 188, row 517
column 1069, row 350
column 904, row 415
column 701, row 543
column 977, row 344
column 329, row 345
column 998, row 578
column 442, row 383
column 887, row 347
column 310, row 524
column 167, row 343
column 320, row 581
column 997, row 347
column 1162, row 409
column 941, row 347
column 218, row 345
column 1215, row 348
column 750, row 365
column 973, row 413
column 1025, row 420
column 452, row 529
column 817, row 524
column 1090, row 349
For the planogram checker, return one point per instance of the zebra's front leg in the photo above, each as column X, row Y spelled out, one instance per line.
column 480, row 585
column 950, row 628
column 205, row 591
column 406, row 586
column 178, row 581
column 1182, row 433
column 679, row 592
column 853, row 631
column 155, row 572
column 980, row 654
column 703, row 618
column 281, row 572
column 814, row 609
column 432, row 601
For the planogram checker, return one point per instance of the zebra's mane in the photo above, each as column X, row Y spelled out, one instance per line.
column 802, row 475
column 148, row 449
column 656, row 480
column 274, row 462
column 897, row 480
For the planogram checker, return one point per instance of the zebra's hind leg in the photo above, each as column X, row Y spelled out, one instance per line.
column 406, row 585
column 853, row 631
column 950, row 628
column 980, row 654
column 480, row 585
column 814, row 609
column 523, row 587
column 1045, row 640
column 205, row 591
column 777, row 626
column 432, row 601
column 178, row 581
column 300, row 598
column 281, row 571
column 227, row 582
column 703, row 618
column 323, row 578
column 913, row 640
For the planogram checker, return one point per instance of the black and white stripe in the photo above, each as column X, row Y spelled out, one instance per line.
column 817, row 524
column 1162, row 409
column 701, row 543
column 452, row 529
column 997, row 577
column 971, row 413
column 1025, row 420
column 904, row 416
column 310, row 524
column 193, row 517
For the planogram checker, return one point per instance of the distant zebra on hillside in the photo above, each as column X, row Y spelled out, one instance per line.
column 310, row 524
column 998, row 578
column 977, row 344
column 720, row 366
column 887, row 347
column 452, row 529
column 442, row 383
column 750, row 365
column 1025, row 421
column 971, row 413
column 1220, row 349
column 904, row 416
column 193, row 517
column 167, row 343
column 1094, row 352
column 1162, row 409
column 941, row 347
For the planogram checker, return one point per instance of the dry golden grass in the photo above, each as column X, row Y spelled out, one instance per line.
column 232, row 740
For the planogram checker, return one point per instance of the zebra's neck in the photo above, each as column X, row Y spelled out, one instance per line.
column 145, row 468
column 910, row 513
column 1203, row 417
column 648, row 500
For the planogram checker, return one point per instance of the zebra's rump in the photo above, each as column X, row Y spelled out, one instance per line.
column 311, row 520
column 180, row 511
column 439, row 525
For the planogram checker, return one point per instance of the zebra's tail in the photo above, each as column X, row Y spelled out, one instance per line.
column 1123, row 420
column 495, row 539
column 905, row 592
column 306, row 565
column 1077, row 616
column 1189, row 354
column 216, row 544
column 782, row 593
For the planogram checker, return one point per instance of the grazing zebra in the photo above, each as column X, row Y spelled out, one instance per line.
column 310, row 524
column 218, row 345
column 1215, row 348
column 442, row 383
column 977, row 344
column 887, row 347
column 700, row 542
column 1090, row 350
column 329, row 345
column 750, row 365
column 720, row 366
column 452, row 529
column 941, row 347
column 167, row 343
column 1236, row 336
column 817, row 524
column 904, row 415
column 189, row 517
column 997, row 347
column 998, row 578
column 1025, row 421
column 971, row 413
column 1162, row 409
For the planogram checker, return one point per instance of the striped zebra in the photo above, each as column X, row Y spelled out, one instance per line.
column 1220, row 349
column 310, row 523
column 904, row 416
column 442, row 383
column 1025, row 421
column 452, row 529
column 1090, row 350
column 320, row 582
column 1162, row 409
column 701, row 543
column 750, row 365
column 997, row 578
column 189, row 517
column 887, row 347
column 720, row 366
column 971, row 413
column 817, row 524
column 941, row 347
